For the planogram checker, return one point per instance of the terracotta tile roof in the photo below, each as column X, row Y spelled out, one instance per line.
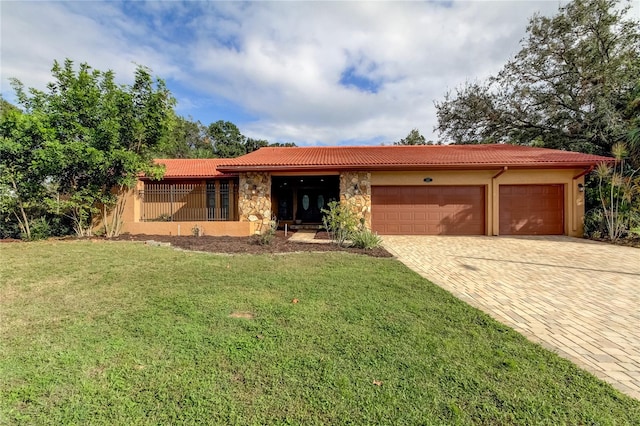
column 192, row 168
column 408, row 157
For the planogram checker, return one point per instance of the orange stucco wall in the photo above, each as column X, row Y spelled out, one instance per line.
column 573, row 199
column 131, row 222
column 573, row 202
column 232, row 229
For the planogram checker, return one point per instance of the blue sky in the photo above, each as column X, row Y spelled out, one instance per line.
column 313, row 73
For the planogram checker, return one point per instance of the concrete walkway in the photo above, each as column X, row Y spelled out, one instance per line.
column 578, row 298
column 307, row 236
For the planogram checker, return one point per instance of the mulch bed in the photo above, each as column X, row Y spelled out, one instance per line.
column 249, row 245
column 628, row 242
column 322, row 235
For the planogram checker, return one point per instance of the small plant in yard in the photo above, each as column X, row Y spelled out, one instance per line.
column 40, row 230
column 617, row 193
column 100, row 232
column 343, row 226
column 340, row 222
column 197, row 231
column 164, row 217
column 365, row 239
column 265, row 238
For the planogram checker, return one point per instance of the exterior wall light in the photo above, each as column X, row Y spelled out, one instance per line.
column 580, row 187
column 427, row 180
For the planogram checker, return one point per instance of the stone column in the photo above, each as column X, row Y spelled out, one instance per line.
column 355, row 191
column 254, row 199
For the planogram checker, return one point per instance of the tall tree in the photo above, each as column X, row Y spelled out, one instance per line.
column 23, row 139
column 226, row 139
column 632, row 114
column 413, row 138
column 102, row 137
column 565, row 89
column 254, row 144
column 187, row 139
column 5, row 106
column 283, row 144
column 222, row 139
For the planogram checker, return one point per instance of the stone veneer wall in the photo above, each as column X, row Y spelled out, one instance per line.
column 355, row 191
column 254, row 199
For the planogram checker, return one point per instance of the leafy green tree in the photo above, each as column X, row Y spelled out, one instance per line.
column 565, row 89
column 254, row 144
column 5, row 106
column 283, row 144
column 186, row 139
column 102, row 138
column 413, row 138
column 23, row 173
column 222, row 139
column 226, row 139
column 632, row 114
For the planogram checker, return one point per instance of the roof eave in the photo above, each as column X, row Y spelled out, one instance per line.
column 226, row 175
column 408, row 167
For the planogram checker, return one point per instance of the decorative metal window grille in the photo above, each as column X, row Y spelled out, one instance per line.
column 182, row 202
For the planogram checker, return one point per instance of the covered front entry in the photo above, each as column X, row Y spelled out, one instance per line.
column 428, row 210
column 532, row 209
column 301, row 199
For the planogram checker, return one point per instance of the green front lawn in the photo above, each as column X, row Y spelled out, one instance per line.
column 123, row 333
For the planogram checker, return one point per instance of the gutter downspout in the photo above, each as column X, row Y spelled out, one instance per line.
column 504, row 169
column 584, row 172
column 495, row 203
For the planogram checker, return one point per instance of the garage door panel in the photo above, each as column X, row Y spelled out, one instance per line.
column 391, row 216
column 531, row 209
column 420, row 216
column 405, row 216
column 430, row 210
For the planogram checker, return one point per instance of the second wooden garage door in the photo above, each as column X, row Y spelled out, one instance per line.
column 428, row 210
column 531, row 209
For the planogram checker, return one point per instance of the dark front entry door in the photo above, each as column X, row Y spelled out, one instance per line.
column 311, row 202
column 302, row 198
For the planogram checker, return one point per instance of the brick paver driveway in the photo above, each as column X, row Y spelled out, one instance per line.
column 579, row 298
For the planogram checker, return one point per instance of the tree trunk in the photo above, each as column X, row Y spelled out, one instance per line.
column 24, row 221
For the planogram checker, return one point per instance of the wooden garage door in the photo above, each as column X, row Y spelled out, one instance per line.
column 428, row 210
column 531, row 209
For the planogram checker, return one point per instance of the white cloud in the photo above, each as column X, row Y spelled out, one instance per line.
column 289, row 67
column 35, row 34
column 281, row 62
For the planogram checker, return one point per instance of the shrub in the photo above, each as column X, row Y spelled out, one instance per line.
column 164, row 217
column 265, row 238
column 340, row 222
column 618, row 190
column 366, row 239
column 40, row 229
column 9, row 228
column 60, row 226
column 594, row 224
